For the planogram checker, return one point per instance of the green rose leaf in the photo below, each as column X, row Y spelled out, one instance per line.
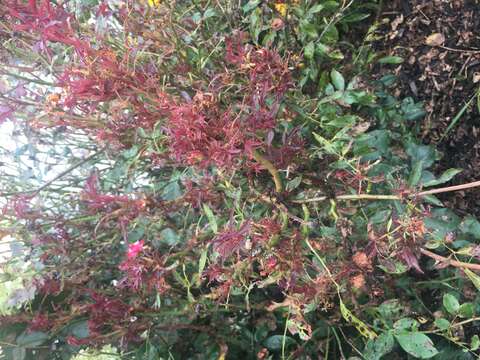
column 446, row 176
column 417, row 344
column 467, row 310
column 450, row 303
column 309, row 50
column 391, row 60
column 442, row 324
column 337, row 80
column 275, row 342
column 31, row 339
column 379, row 347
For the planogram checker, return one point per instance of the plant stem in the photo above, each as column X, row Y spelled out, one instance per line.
column 450, row 188
column 350, row 197
column 390, row 197
column 448, row 261
column 281, row 207
column 271, row 169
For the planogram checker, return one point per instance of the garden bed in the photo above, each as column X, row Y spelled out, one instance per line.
column 440, row 47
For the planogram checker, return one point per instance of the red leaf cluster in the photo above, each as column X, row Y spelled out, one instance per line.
column 205, row 132
column 109, row 203
column 50, row 22
column 231, row 240
column 143, row 270
column 105, row 311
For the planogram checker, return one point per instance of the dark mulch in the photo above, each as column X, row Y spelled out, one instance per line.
column 440, row 42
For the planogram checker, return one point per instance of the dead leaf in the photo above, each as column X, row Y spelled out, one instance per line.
column 435, row 39
column 398, row 20
column 476, row 77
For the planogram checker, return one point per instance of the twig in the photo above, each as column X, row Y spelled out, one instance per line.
column 350, row 197
column 390, row 197
column 283, row 208
column 271, row 169
column 460, row 50
column 448, row 261
column 450, row 188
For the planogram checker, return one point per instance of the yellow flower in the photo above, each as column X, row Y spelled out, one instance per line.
column 154, row 3
column 281, row 8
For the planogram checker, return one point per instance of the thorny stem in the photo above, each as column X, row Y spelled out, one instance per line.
column 390, row 197
column 350, row 197
column 450, row 188
column 448, row 261
column 271, row 169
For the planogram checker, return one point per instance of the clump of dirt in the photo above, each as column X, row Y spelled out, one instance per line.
column 439, row 41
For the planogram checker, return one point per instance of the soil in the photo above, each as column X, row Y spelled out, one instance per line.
column 439, row 41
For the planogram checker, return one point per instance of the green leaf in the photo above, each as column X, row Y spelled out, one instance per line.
column 330, row 5
column 212, row 220
column 446, row 176
column 380, row 216
column 136, row 234
column 322, row 49
column 309, row 50
column 417, row 344
column 391, row 60
column 388, row 80
column 202, row 262
column 169, row 237
column 171, row 191
column 443, row 221
column 450, row 303
column 337, row 80
column 380, row 346
column 210, row 12
column 432, row 200
column 153, row 353
column 336, row 55
column 130, row 153
column 252, row 4
column 294, row 183
column 359, row 324
column 475, row 343
column 442, row 324
column 356, row 17
column 80, row 329
column 255, row 24
column 416, row 174
column 412, row 110
column 419, row 152
column 330, row 35
column 474, row 278
column 308, row 29
column 275, row 342
column 471, row 226
column 315, row 9
column 325, row 50
column 467, row 310
column 405, row 324
column 19, row 353
column 390, row 309
column 31, row 339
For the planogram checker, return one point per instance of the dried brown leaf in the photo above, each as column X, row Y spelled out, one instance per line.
column 436, row 39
